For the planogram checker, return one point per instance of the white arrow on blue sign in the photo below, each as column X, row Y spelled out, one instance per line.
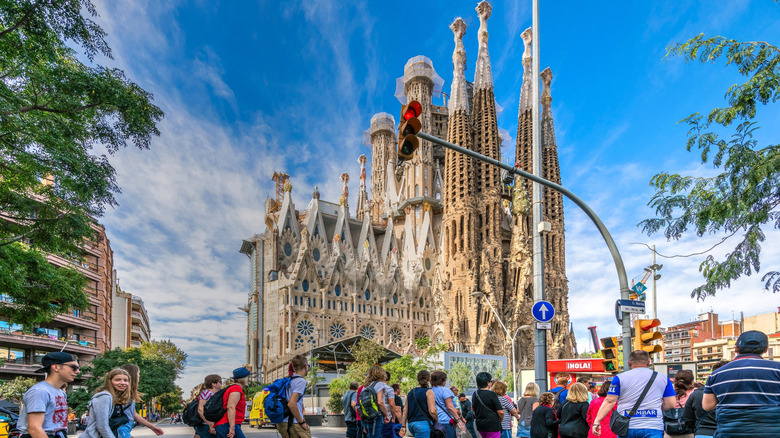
column 543, row 311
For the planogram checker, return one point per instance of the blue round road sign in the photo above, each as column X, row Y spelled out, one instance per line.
column 543, row 311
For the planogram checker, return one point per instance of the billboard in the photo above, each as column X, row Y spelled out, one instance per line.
column 477, row 363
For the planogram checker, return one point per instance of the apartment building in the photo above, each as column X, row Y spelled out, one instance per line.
column 83, row 333
column 130, row 320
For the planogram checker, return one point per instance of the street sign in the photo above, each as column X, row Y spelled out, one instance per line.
column 544, row 326
column 543, row 311
column 632, row 306
column 639, row 288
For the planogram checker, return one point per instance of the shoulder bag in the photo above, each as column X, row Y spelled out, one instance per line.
column 432, row 422
column 619, row 423
column 117, row 419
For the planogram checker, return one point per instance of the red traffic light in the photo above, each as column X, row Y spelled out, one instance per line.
column 646, row 324
column 411, row 110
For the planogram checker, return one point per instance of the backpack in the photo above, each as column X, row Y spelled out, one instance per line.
column 674, row 423
column 214, row 409
column 369, row 409
column 347, row 403
column 275, row 403
column 190, row 414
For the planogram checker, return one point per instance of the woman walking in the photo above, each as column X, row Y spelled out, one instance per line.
column 375, row 380
column 500, row 388
column 420, row 408
column 525, row 408
column 543, row 422
column 574, row 413
column 106, row 409
column 126, row 430
column 448, row 415
column 593, row 410
column 211, row 384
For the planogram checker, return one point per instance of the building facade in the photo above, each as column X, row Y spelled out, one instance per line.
column 130, row 325
column 83, row 333
column 432, row 231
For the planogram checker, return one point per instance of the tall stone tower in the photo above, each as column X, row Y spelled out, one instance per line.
column 489, row 212
column 458, row 224
column 555, row 281
column 382, row 138
column 362, row 200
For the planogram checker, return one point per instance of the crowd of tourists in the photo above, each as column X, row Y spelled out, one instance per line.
column 740, row 399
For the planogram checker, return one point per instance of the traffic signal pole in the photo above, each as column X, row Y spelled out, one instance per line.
column 613, row 250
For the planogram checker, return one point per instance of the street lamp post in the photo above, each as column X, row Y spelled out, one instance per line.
column 478, row 294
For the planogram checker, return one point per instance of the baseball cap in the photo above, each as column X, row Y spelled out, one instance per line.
column 239, row 373
column 54, row 358
column 461, row 395
column 753, row 338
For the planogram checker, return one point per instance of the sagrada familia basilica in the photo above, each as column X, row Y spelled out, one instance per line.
column 427, row 234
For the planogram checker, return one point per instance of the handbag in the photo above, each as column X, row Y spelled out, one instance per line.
column 619, row 423
column 117, row 419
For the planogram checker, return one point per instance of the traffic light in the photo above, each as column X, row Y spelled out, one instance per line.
column 610, row 354
column 407, row 133
column 644, row 335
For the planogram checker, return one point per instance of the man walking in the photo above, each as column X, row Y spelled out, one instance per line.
column 45, row 406
column 349, row 402
column 295, row 391
column 746, row 391
column 626, row 389
column 468, row 414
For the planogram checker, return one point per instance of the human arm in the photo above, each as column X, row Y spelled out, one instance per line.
column 454, row 412
column 689, row 413
column 431, row 399
column 709, row 402
column 380, row 402
column 609, row 402
column 201, row 404
column 232, row 402
column 100, row 412
column 35, row 425
column 549, row 418
column 292, row 404
column 142, row 421
column 392, row 408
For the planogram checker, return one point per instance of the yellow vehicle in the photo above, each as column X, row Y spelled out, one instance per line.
column 257, row 417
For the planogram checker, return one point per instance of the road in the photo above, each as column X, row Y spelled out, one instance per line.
column 179, row 431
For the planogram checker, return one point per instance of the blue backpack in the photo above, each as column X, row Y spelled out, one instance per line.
column 275, row 403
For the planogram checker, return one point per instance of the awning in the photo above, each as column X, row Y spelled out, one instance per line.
column 338, row 354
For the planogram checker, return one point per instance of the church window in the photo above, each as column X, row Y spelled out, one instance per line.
column 305, row 285
column 337, row 331
column 298, row 342
column 316, row 254
column 425, row 191
column 368, row 295
column 296, row 301
column 367, row 332
column 328, row 304
column 422, row 303
column 308, row 301
column 316, row 231
column 425, row 173
column 337, row 290
column 395, row 336
column 416, row 190
column 395, row 298
column 428, row 264
column 287, row 249
column 417, row 212
column 305, row 327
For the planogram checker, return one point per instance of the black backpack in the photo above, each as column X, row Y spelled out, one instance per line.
column 190, row 415
column 214, row 409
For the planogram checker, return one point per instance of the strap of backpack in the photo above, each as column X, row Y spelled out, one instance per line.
column 644, row 393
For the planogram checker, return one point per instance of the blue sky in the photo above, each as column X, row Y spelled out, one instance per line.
column 249, row 88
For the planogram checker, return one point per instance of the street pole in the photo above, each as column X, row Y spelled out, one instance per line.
column 613, row 250
column 514, row 374
column 655, row 301
column 540, row 336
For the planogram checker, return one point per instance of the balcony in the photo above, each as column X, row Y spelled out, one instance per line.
column 140, row 332
column 49, row 342
column 82, row 321
column 91, row 270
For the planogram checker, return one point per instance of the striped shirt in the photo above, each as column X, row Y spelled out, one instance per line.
column 747, row 381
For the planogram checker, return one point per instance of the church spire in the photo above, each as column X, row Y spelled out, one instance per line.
column 362, row 201
column 483, row 76
column 526, row 88
column 459, row 99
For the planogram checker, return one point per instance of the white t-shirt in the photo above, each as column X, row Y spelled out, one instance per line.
column 53, row 402
column 385, row 395
column 297, row 386
column 628, row 386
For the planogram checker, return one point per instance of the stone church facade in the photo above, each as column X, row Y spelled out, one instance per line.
column 426, row 235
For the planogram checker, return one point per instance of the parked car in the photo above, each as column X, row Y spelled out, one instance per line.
column 8, row 424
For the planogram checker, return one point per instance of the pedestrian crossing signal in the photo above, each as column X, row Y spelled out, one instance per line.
column 407, row 133
column 610, row 354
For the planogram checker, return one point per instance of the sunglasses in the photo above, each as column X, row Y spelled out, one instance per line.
column 75, row 368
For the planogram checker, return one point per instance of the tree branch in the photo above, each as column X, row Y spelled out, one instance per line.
column 19, row 23
column 12, row 240
column 56, row 111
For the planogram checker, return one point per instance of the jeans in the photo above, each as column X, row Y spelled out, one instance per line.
column 203, row 431
column 387, row 430
column 645, row 433
column 506, row 433
column 352, row 429
column 420, row 429
column 222, row 431
column 374, row 427
column 472, row 428
column 449, row 430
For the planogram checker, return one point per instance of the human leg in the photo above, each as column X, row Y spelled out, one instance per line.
column 352, row 429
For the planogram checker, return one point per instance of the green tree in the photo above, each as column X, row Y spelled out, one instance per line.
column 171, row 402
column 13, row 390
column 366, row 354
column 158, row 375
column 404, row 369
column 743, row 197
column 167, row 350
column 459, row 375
column 54, row 111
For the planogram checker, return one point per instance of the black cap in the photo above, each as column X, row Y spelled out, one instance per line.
column 753, row 338
column 55, row 358
column 461, row 395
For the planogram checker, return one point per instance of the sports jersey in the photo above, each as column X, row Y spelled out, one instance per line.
column 628, row 386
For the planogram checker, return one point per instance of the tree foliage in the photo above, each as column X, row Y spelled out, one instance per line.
column 54, row 110
column 459, row 375
column 157, row 375
column 167, row 350
column 13, row 390
column 743, row 197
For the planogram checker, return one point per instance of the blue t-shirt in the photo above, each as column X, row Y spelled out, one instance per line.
column 747, row 381
column 42, row 397
column 628, row 386
column 441, row 394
